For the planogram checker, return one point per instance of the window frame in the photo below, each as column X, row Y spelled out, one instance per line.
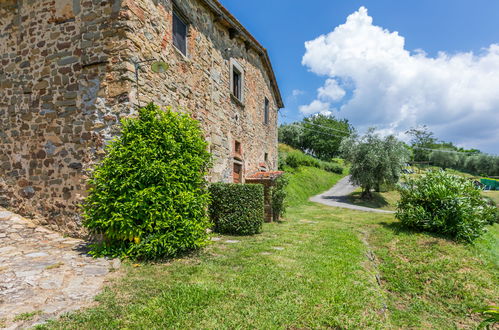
column 266, row 112
column 177, row 14
column 237, row 68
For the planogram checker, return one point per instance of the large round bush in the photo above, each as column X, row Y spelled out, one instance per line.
column 148, row 197
column 447, row 204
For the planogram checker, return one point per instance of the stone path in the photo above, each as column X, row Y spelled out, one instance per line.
column 42, row 274
column 338, row 197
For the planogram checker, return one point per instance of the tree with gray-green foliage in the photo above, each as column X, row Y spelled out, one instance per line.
column 375, row 161
column 421, row 140
column 444, row 159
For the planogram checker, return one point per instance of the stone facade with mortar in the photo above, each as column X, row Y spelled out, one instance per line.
column 67, row 76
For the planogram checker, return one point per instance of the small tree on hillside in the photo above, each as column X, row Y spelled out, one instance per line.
column 374, row 160
column 292, row 135
column 421, row 138
column 323, row 134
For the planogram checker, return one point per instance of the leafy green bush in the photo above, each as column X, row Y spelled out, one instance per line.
column 148, row 197
column 447, row 204
column 279, row 197
column 237, row 208
column 296, row 158
column 331, row 167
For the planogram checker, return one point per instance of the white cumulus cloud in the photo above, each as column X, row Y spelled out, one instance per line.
column 331, row 91
column 316, row 107
column 456, row 95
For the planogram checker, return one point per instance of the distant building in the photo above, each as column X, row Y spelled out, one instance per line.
column 68, row 74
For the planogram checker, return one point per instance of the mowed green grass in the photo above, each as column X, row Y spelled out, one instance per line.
column 322, row 267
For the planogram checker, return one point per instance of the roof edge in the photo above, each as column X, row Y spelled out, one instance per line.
column 218, row 8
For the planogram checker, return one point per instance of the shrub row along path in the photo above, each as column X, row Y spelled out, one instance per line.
column 43, row 274
column 338, row 197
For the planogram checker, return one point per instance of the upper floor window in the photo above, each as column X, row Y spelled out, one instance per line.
column 179, row 33
column 236, row 85
column 237, row 80
column 266, row 112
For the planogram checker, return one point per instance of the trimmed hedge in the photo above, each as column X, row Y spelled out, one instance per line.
column 148, row 197
column 237, row 209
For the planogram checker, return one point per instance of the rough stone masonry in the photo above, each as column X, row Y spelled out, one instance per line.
column 68, row 75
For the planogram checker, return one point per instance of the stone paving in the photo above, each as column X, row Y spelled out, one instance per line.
column 43, row 274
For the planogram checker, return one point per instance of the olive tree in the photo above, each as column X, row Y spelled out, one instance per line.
column 444, row 159
column 374, row 160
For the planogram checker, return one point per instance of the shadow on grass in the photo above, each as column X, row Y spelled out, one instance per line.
column 377, row 201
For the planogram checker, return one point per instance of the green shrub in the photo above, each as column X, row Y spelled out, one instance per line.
column 279, row 197
column 148, row 197
column 237, row 208
column 331, row 167
column 492, row 204
column 296, row 158
column 446, row 204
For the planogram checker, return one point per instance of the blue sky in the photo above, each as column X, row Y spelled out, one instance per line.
column 454, row 27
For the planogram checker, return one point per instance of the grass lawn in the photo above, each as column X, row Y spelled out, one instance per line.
column 494, row 195
column 321, row 268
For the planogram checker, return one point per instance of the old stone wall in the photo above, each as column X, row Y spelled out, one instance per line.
column 199, row 83
column 67, row 76
column 55, row 107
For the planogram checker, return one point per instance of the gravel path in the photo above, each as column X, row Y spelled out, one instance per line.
column 338, row 197
column 43, row 274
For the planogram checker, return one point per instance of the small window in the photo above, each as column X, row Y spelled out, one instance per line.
column 236, row 83
column 266, row 112
column 237, row 80
column 266, row 157
column 237, row 173
column 179, row 34
column 237, row 148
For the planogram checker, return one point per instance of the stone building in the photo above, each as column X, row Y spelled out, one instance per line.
column 69, row 72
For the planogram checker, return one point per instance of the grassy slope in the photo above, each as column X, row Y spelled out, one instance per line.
column 305, row 182
column 310, row 271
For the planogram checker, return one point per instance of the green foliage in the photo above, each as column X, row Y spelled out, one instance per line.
column 148, row 197
column 295, row 158
column 446, row 204
column 490, row 316
column 375, row 161
column 291, row 135
column 279, row 197
column 473, row 163
column 237, row 208
column 323, row 135
column 319, row 135
column 421, row 139
column 444, row 159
